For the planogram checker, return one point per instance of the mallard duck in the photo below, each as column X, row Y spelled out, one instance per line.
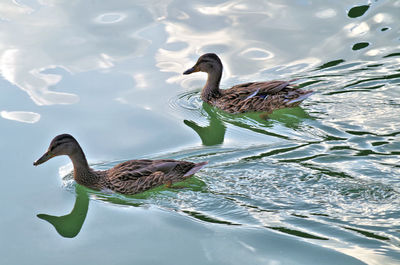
column 129, row 177
column 249, row 97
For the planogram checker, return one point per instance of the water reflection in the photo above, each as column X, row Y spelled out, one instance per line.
column 358, row 11
column 360, row 45
column 326, row 13
column 70, row 225
column 297, row 233
column 21, row 116
column 212, row 134
column 75, row 43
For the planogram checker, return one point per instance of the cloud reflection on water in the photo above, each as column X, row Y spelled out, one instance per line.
column 58, row 34
column 97, row 36
column 21, row 116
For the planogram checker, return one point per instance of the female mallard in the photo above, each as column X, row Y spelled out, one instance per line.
column 249, row 97
column 129, row 177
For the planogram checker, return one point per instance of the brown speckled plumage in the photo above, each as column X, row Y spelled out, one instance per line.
column 129, row 177
column 249, row 97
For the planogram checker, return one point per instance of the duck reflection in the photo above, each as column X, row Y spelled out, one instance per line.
column 214, row 133
column 70, row 225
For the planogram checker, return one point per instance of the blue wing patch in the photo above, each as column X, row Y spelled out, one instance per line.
column 253, row 94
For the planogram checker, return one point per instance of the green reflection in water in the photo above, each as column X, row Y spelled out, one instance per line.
column 296, row 233
column 367, row 233
column 381, row 78
column 193, row 184
column 392, row 55
column 360, row 45
column 214, row 133
column 276, row 151
column 208, row 219
column 356, row 90
column 70, row 225
column 330, row 64
column 358, row 11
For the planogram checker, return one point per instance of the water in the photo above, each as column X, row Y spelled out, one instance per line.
column 316, row 184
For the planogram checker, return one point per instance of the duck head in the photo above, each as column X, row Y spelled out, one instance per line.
column 208, row 63
column 63, row 144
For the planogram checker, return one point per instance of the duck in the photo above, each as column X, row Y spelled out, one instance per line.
column 248, row 97
column 130, row 177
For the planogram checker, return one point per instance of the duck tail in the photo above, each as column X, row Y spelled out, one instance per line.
column 196, row 168
column 301, row 97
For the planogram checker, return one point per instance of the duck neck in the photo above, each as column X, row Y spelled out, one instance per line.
column 83, row 174
column 211, row 89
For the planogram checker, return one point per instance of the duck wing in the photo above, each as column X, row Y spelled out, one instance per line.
column 137, row 185
column 139, row 175
column 261, row 96
column 259, row 89
column 134, row 169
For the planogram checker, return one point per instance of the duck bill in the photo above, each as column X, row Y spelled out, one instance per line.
column 191, row 70
column 43, row 159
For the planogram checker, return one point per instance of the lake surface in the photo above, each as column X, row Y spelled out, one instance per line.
column 316, row 184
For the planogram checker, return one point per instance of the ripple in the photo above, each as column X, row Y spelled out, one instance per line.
column 110, row 18
column 186, row 100
column 257, row 54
